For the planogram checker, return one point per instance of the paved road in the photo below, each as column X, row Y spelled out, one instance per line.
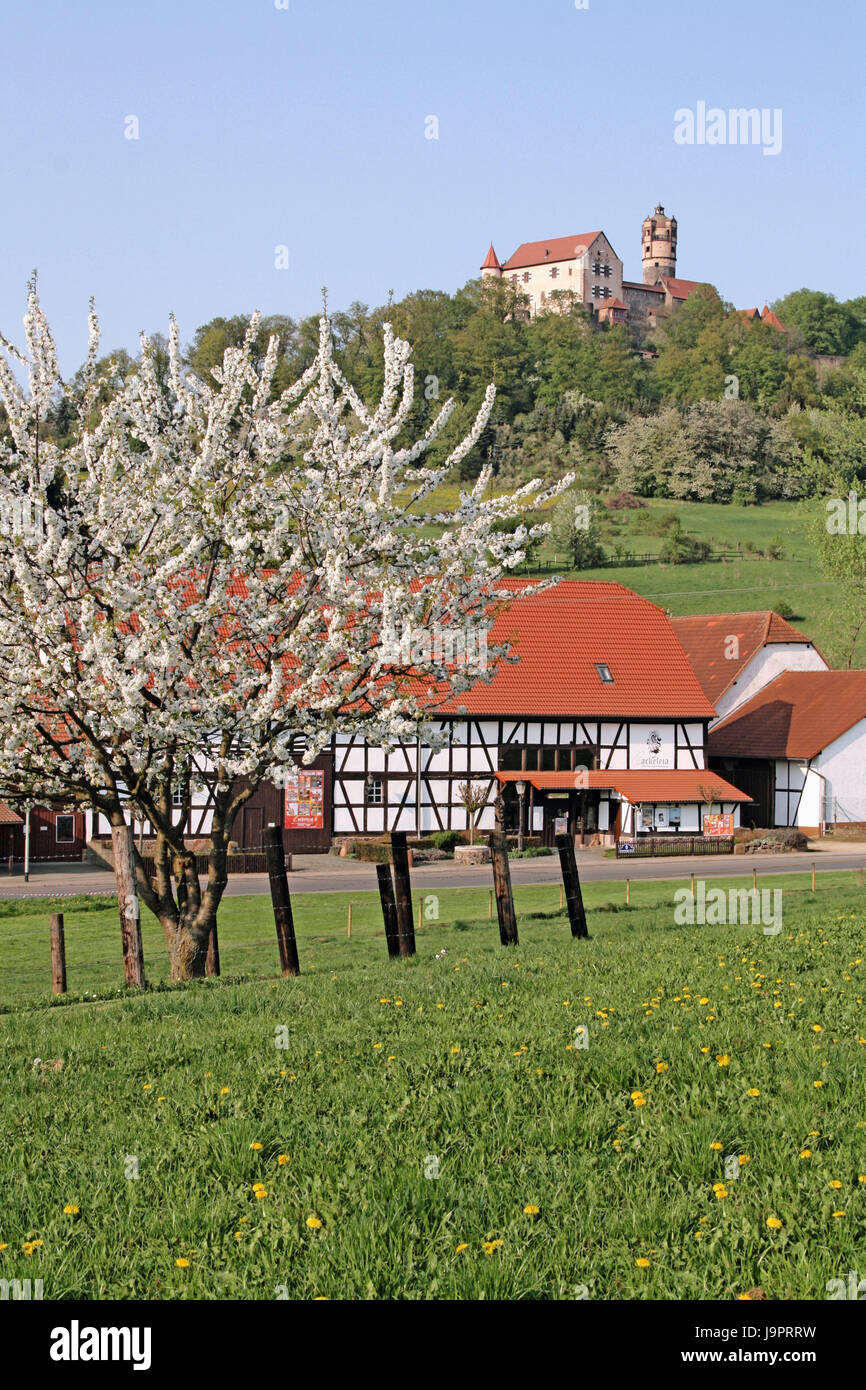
column 326, row 874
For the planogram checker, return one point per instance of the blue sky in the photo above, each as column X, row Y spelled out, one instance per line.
column 305, row 127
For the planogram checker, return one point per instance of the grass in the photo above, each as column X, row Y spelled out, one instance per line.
column 366, row 1075
column 748, row 583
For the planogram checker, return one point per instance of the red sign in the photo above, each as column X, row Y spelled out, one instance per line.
column 305, row 801
column 719, row 825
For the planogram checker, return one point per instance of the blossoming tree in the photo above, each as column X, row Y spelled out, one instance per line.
column 210, row 574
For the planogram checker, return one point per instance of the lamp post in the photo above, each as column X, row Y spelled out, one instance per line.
column 521, row 792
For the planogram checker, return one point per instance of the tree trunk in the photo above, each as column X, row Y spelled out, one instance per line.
column 188, row 950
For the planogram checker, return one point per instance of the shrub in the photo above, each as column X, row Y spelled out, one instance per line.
column 447, row 839
column 783, row 609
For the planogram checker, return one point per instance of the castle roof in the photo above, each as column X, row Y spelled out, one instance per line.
column 491, row 261
column 767, row 316
column 562, row 248
column 682, row 289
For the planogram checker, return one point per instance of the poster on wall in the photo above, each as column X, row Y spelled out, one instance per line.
column 305, row 801
column 719, row 825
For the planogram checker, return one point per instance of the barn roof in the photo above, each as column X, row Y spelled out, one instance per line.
column 706, row 640
column 563, row 636
column 795, row 716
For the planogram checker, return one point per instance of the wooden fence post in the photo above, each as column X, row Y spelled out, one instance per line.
column 502, row 888
column 813, row 876
column 282, row 903
column 571, row 879
column 58, row 954
column 402, row 893
column 389, row 908
column 123, row 846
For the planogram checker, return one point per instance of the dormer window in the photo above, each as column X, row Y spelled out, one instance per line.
column 604, row 672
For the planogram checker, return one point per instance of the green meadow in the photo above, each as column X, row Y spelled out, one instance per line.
column 661, row 1112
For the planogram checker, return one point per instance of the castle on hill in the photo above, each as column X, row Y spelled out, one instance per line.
column 585, row 268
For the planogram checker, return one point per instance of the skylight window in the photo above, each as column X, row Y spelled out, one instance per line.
column 605, row 674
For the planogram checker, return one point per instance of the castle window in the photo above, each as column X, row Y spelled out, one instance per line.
column 526, row 277
column 554, row 271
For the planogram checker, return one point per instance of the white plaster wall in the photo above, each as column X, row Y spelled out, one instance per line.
column 843, row 764
column 765, row 666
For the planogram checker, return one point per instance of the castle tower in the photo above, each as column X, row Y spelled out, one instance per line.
column 659, row 246
column 491, row 269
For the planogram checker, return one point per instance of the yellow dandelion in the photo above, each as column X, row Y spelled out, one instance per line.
column 721, row 1194
column 715, row 1145
column 376, row 1046
column 639, row 1102
column 636, row 1095
column 817, row 1084
column 705, row 1049
column 147, row 1086
column 838, row 1213
column 255, row 1144
column 806, row 1153
column 774, row 1223
column 753, row 1091
column 182, row 1263
column 314, row 1223
column 461, row 1247
column 722, row 1058
column 834, row 1183
column 282, row 1158
column 530, row 1210
column 261, row 1193
column 744, row 1158
column 224, row 1090
column 70, row 1210
column 642, row 1262
column 491, row 1245
column 455, row 1049
column 661, row 1066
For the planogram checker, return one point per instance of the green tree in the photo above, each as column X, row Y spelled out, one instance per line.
column 826, row 326
column 575, row 529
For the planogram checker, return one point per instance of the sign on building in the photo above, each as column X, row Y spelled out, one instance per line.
column 305, row 801
column 719, row 825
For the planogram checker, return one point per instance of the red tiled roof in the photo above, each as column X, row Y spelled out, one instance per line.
column 705, row 636
column 795, row 716
column 639, row 285
column 560, row 635
column 562, row 248
column 614, row 303
column 767, row 316
column 491, row 261
column 748, row 314
column 682, row 289
column 676, row 785
column 8, row 816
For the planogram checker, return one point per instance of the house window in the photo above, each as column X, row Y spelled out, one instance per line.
column 526, row 277
column 514, row 279
column 554, row 271
column 604, row 672
column 64, row 829
column 177, row 798
column 374, row 791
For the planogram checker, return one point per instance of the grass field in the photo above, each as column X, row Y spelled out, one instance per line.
column 434, row 1128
